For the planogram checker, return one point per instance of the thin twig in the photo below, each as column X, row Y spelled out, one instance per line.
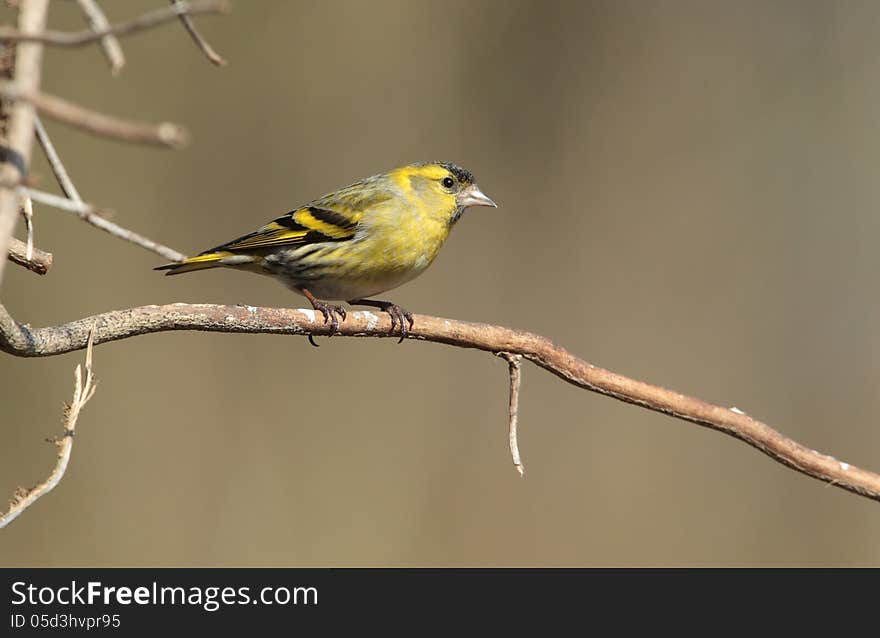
column 40, row 262
column 83, row 390
column 24, row 341
column 146, row 21
column 86, row 212
column 94, row 216
column 162, row 134
column 109, row 43
column 55, row 162
column 206, row 48
column 27, row 211
column 20, row 121
column 514, row 365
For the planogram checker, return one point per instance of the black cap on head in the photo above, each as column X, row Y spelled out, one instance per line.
column 463, row 176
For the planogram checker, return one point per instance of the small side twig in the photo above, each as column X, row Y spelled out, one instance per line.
column 206, row 48
column 514, row 365
column 146, row 21
column 40, row 261
column 109, row 43
column 27, row 211
column 93, row 216
column 163, row 134
column 83, row 390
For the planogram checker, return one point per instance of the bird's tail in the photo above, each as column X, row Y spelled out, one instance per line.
column 199, row 262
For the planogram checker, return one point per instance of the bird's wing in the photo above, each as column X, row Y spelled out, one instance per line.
column 334, row 217
column 306, row 225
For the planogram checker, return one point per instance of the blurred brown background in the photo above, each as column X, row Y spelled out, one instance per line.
column 688, row 195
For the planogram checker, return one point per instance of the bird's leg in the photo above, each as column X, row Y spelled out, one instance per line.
column 398, row 315
column 328, row 310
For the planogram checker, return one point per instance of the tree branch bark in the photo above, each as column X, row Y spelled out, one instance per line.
column 39, row 261
column 24, row 341
column 20, row 125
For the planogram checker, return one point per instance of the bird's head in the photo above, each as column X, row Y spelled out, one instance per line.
column 443, row 188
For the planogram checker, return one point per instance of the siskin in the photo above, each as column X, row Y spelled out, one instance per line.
column 360, row 241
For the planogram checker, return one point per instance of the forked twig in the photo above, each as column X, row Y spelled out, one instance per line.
column 93, row 216
column 83, row 390
column 146, row 21
column 86, row 212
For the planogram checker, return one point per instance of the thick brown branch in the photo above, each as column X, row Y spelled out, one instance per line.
column 146, row 21
column 162, row 134
column 39, row 262
column 24, row 341
column 20, row 123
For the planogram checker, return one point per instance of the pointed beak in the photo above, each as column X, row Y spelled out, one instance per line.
column 473, row 196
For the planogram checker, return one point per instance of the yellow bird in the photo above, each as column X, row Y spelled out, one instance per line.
column 359, row 241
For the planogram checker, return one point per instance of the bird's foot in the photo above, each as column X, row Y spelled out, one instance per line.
column 399, row 316
column 404, row 319
column 330, row 312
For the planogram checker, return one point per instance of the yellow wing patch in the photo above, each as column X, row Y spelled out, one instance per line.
column 307, row 225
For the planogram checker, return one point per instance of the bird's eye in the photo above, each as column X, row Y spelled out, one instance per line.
column 448, row 182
